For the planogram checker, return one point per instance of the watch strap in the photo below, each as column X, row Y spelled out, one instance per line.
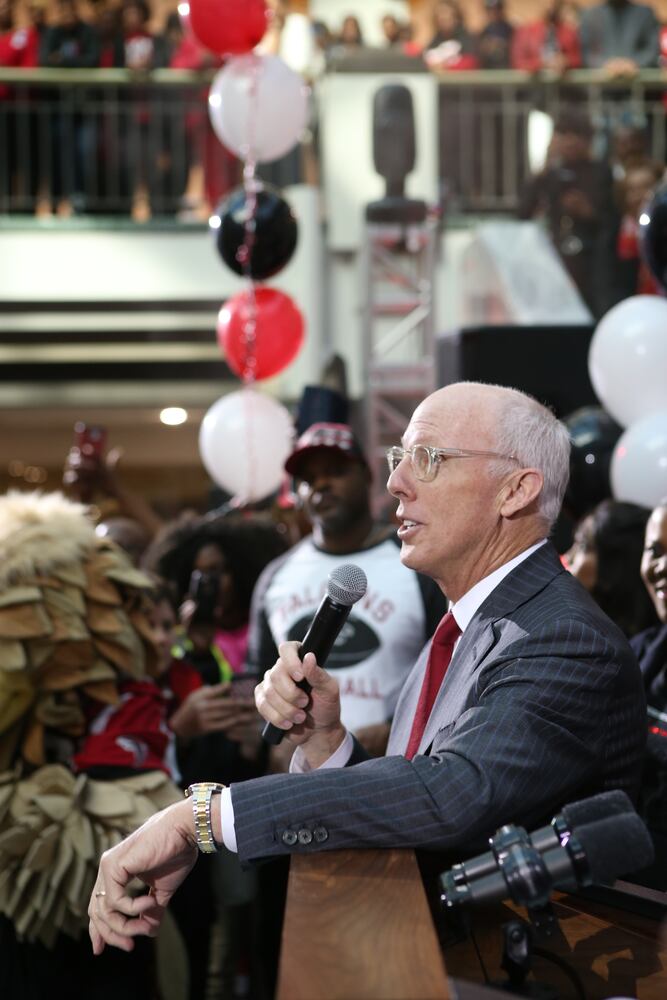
column 202, row 793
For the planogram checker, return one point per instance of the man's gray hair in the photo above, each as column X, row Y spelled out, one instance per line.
column 535, row 436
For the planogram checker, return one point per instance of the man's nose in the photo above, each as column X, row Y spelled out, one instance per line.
column 321, row 480
column 401, row 480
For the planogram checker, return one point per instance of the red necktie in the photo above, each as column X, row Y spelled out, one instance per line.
column 442, row 647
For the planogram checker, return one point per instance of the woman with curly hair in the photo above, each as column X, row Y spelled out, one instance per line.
column 212, row 564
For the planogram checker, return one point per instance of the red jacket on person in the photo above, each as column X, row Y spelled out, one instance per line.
column 18, row 48
column 528, row 45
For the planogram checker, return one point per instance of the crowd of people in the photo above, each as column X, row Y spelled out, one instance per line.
column 157, row 153
column 153, row 151
column 154, row 636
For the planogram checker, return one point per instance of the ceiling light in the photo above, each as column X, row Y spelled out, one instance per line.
column 173, row 415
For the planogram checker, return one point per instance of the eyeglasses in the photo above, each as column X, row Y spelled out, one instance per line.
column 425, row 460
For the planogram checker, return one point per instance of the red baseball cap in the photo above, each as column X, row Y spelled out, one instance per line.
column 325, row 437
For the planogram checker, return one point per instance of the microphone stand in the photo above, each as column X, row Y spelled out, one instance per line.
column 517, row 958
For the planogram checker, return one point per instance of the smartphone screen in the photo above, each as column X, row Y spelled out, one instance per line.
column 243, row 686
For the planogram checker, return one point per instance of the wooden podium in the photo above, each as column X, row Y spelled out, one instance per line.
column 358, row 927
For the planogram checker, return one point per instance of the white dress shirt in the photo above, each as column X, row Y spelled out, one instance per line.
column 463, row 611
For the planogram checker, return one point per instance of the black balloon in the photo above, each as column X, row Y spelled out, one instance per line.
column 256, row 244
column 594, row 435
column 653, row 235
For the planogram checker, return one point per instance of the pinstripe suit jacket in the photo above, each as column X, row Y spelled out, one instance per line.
column 542, row 703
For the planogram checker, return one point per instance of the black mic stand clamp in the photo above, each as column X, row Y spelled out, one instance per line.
column 517, row 962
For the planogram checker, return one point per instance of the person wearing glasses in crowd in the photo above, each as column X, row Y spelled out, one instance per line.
column 526, row 698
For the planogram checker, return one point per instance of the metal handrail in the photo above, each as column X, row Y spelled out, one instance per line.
column 447, row 78
column 101, row 77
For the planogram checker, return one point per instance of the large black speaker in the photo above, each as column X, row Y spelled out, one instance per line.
column 394, row 154
column 393, row 135
column 549, row 362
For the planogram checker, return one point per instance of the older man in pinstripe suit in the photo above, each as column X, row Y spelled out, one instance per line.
column 541, row 703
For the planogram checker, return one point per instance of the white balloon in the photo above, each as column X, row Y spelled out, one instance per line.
column 639, row 462
column 258, row 107
column 628, row 358
column 244, row 440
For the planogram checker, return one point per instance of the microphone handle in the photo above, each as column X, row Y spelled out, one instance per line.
column 319, row 639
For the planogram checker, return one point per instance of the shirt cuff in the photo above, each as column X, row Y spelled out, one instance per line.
column 227, row 820
column 339, row 758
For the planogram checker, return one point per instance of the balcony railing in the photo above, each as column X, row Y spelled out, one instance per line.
column 110, row 141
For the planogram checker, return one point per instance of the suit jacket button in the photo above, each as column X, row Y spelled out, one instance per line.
column 289, row 838
column 320, row 833
column 305, row 836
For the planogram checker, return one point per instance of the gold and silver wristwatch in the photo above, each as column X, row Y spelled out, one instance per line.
column 202, row 792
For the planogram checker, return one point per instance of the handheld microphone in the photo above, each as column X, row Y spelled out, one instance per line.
column 597, row 853
column 561, row 827
column 346, row 585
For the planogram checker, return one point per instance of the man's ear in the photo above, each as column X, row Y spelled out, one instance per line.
column 520, row 492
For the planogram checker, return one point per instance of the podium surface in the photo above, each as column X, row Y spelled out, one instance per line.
column 357, row 925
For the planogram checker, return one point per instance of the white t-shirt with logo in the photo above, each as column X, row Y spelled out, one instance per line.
column 379, row 643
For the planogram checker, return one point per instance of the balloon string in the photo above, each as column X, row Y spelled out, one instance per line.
column 251, row 457
column 251, row 187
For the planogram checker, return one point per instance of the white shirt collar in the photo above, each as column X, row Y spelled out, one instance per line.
column 466, row 606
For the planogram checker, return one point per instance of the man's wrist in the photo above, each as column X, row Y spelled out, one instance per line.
column 322, row 745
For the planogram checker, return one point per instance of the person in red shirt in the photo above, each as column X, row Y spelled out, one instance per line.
column 19, row 48
column 451, row 46
column 552, row 43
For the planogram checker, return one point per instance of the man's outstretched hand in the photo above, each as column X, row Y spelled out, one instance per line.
column 160, row 854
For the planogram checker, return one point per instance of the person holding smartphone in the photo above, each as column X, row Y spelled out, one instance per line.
column 90, row 477
column 211, row 565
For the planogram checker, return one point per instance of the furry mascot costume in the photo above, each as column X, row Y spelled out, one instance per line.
column 82, row 733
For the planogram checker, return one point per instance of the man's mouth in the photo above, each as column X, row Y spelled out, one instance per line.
column 407, row 527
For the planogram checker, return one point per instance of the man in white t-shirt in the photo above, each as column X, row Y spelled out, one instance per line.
column 388, row 628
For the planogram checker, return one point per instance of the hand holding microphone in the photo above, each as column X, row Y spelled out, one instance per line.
column 297, row 697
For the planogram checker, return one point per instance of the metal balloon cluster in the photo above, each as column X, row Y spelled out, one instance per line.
column 258, row 109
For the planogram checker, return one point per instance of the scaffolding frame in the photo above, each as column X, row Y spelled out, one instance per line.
column 398, row 326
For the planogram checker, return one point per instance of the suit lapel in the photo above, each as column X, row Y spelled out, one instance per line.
column 529, row 577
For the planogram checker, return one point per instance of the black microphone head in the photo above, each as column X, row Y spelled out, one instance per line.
column 615, row 845
column 347, row 584
column 597, row 807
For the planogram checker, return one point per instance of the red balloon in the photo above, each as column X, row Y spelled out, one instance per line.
column 229, row 27
column 260, row 339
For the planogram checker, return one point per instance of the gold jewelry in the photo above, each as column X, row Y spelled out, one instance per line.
column 102, row 892
column 202, row 793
